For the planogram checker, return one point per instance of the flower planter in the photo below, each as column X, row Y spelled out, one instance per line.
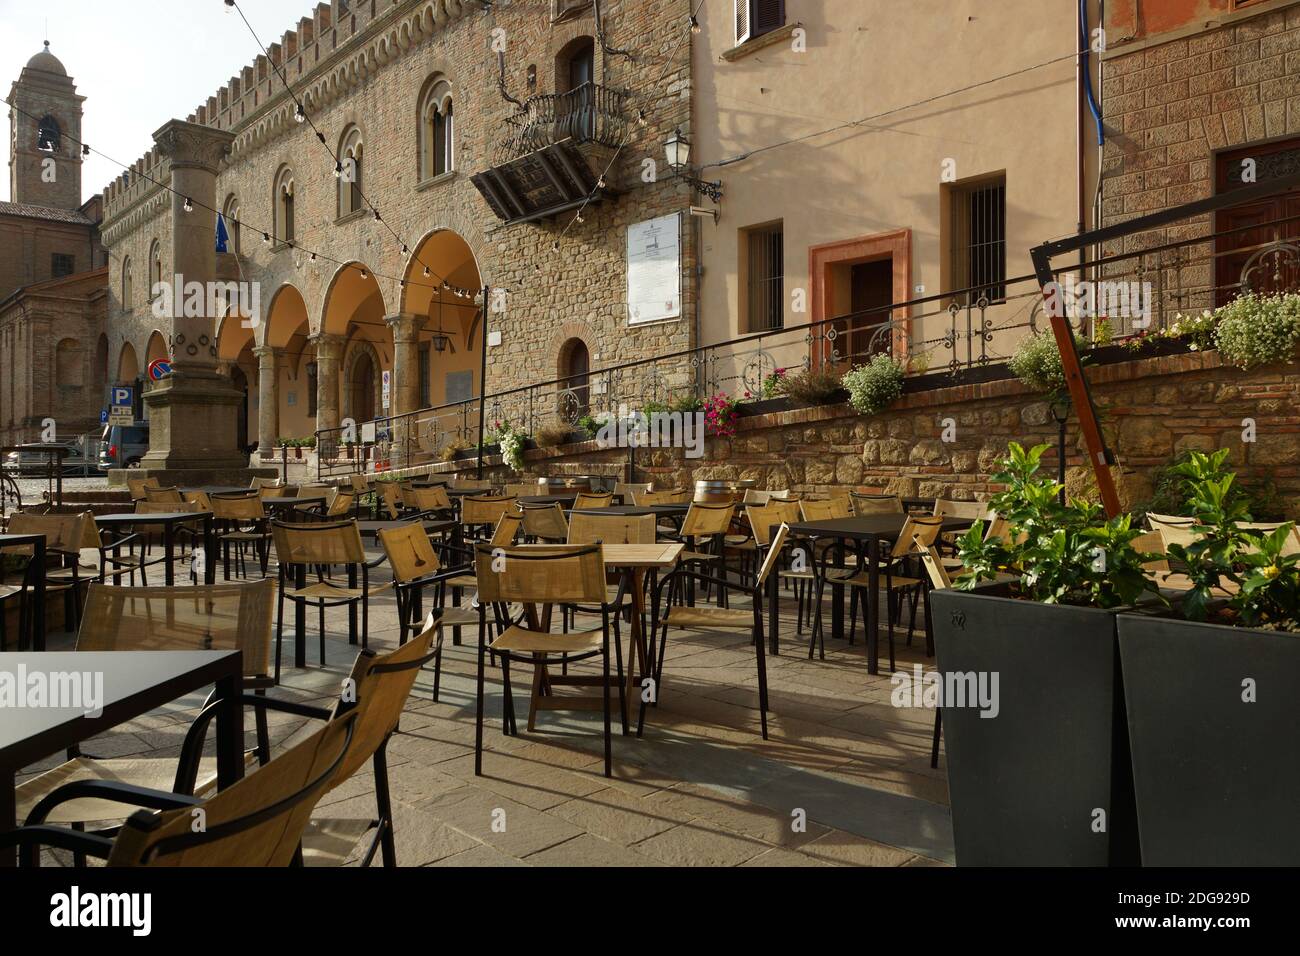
column 764, row 406
column 1025, row 786
column 1216, row 777
column 466, row 454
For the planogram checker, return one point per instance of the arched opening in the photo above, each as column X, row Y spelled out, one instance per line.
column 575, row 65
column 450, row 340
column 127, row 291
column 575, row 369
column 355, row 311
column 284, row 206
column 155, row 267
column 157, row 348
column 363, row 380
column 240, row 379
column 351, row 189
column 128, row 366
column 230, row 213
column 49, row 137
column 289, row 334
column 235, row 342
column 437, row 139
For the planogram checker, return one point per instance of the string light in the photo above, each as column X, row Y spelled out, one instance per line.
column 426, row 272
column 300, row 115
column 365, row 274
column 695, row 24
column 266, row 238
column 338, row 170
column 85, row 150
column 189, row 204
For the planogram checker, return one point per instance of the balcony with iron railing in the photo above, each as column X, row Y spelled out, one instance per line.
column 587, row 114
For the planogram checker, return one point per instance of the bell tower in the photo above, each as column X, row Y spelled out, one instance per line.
column 45, row 135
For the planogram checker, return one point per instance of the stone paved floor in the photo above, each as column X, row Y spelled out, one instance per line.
column 702, row 788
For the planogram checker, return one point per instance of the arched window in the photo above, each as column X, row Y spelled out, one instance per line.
column 230, row 212
column 284, row 202
column 351, row 191
column 48, row 135
column 437, row 130
column 575, row 78
column 575, row 368
column 126, row 283
column 155, row 267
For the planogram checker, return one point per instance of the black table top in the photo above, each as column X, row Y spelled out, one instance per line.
column 168, row 517
column 134, row 683
column 374, row 527
column 219, row 489
column 15, row 540
column 634, row 510
column 291, row 502
column 464, row 492
column 884, row 527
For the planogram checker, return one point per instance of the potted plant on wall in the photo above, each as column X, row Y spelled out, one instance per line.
column 875, row 386
column 1213, row 688
column 1040, row 775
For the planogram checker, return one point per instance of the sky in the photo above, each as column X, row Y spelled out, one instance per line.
column 139, row 63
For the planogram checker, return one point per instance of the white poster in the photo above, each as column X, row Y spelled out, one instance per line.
column 654, row 270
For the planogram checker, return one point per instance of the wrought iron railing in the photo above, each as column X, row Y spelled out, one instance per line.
column 589, row 113
column 953, row 335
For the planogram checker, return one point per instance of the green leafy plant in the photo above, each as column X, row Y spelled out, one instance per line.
column 1061, row 554
column 1169, row 493
column 1258, row 330
column 1223, row 554
column 812, row 386
column 589, row 425
column 875, row 386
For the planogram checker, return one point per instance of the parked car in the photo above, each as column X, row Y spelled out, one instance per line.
column 80, row 460
column 122, row 446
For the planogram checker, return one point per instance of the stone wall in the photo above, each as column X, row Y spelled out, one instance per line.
column 1150, row 409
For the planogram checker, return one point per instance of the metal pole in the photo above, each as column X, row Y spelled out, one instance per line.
column 482, row 379
column 1060, row 453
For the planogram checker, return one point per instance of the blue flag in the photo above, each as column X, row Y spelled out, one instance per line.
column 222, row 236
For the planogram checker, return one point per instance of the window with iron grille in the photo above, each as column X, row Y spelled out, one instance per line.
column 62, row 264
column 977, row 239
column 765, row 277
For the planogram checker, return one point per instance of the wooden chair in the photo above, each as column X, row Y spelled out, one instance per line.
column 801, row 577
column 1173, row 529
column 484, row 511
column 544, row 523
column 258, row 821
column 275, row 491
column 707, row 523
column 678, row 614
column 138, row 486
column 390, row 499
column 520, row 489
column 864, row 504
column 257, row 484
column 65, row 537
column 340, row 503
column 201, row 499
column 241, row 522
column 207, row 617
column 611, row 528
column 755, row 496
column 503, row 535
column 416, row 566
column 629, row 490
column 586, row 499
column 163, row 495
column 544, row 575
column 429, row 500
column 300, row 547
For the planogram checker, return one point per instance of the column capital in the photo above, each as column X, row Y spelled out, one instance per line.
column 329, row 345
column 405, row 326
column 193, row 146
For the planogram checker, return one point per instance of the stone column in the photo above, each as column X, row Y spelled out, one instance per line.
column 268, row 398
column 329, row 356
column 406, row 380
column 194, row 412
column 406, row 360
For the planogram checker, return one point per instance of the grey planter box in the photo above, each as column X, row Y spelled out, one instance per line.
column 1217, row 778
column 1026, row 786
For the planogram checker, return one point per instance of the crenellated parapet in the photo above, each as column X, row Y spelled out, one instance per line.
column 329, row 54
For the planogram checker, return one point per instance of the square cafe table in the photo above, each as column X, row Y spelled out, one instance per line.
column 633, row 561
column 37, row 543
column 870, row 530
column 135, row 683
column 169, row 522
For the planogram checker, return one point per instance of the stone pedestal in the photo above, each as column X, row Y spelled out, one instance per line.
column 193, row 414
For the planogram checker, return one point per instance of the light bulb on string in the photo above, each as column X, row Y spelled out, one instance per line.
column 266, row 238
column 189, row 204
column 426, row 272
column 299, row 115
column 695, row 24
column 365, row 274
column 338, row 170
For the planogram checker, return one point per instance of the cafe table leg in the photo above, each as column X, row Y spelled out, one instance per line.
column 300, row 619
column 8, row 783
column 169, row 542
column 209, row 550
column 230, row 727
column 837, row 597
column 38, row 603
column 873, row 605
